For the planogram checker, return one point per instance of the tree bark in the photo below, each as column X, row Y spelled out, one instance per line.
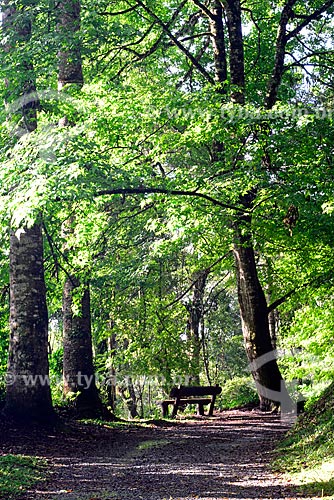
column 237, row 59
column 131, row 401
column 23, row 85
column 218, row 43
column 28, row 395
column 28, row 390
column 255, row 323
column 78, row 367
column 70, row 63
column 252, row 301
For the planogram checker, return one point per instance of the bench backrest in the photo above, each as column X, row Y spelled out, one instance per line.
column 195, row 390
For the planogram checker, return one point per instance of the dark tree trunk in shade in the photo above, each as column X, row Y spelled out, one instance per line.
column 28, row 390
column 79, row 375
column 111, row 385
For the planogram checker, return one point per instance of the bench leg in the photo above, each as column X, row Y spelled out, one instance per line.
column 200, row 409
column 164, row 407
column 212, row 405
column 175, row 407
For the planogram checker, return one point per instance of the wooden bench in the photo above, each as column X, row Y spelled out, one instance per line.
column 188, row 395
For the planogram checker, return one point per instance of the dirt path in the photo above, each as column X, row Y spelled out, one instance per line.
column 222, row 458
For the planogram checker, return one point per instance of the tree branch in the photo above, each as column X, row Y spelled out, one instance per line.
column 205, row 10
column 172, row 192
column 176, row 42
column 308, row 19
column 258, row 55
column 205, row 271
column 276, row 78
column 281, row 300
column 198, row 56
column 289, row 294
column 119, row 13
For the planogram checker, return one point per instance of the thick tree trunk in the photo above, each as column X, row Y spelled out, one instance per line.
column 255, row 324
column 218, row 42
column 237, row 59
column 17, row 26
column 28, row 389
column 78, row 368
column 28, row 395
column 252, row 301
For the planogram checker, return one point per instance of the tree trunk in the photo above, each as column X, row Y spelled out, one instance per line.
column 78, row 368
column 195, row 311
column 28, row 389
column 255, row 324
column 218, row 42
column 111, row 385
column 129, row 397
column 252, row 301
column 28, row 395
column 237, row 60
column 108, row 346
column 70, row 63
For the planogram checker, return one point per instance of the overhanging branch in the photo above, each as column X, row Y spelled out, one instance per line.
column 320, row 279
column 119, row 13
column 308, row 19
column 171, row 192
column 176, row 42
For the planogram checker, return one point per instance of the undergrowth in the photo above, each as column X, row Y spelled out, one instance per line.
column 18, row 473
column 237, row 392
column 307, row 453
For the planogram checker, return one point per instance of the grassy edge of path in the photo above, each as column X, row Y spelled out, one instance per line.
column 18, row 473
column 306, row 455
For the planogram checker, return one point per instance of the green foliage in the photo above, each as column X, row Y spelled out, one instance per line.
column 237, row 392
column 18, row 473
column 307, row 453
column 56, row 362
column 307, row 342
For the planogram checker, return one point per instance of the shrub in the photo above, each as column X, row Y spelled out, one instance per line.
column 237, row 392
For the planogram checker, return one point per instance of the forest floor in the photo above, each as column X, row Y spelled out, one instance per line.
column 223, row 457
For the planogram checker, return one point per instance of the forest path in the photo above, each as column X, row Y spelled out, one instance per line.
column 225, row 457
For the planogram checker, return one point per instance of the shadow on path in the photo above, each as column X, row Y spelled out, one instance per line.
column 225, row 457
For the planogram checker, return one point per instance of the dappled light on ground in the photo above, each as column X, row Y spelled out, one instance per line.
column 203, row 459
